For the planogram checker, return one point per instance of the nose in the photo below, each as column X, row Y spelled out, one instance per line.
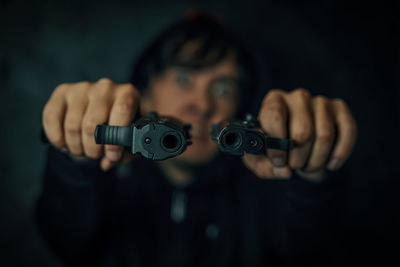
column 202, row 103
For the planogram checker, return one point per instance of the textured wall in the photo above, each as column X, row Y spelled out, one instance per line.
column 335, row 48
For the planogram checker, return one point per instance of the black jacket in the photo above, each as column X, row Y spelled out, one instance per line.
column 228, row 217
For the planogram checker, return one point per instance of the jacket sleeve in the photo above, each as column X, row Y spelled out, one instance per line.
column 72, row 209
column 315, row 219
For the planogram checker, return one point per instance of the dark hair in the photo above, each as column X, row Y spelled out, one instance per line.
column 213, row 44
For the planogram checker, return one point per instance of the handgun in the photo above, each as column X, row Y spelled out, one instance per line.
column 246, row 136
column 154, row 137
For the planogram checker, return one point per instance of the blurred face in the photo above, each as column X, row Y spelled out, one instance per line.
column 198, row 98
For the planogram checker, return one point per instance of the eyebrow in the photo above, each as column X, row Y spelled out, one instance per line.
column 227, row 77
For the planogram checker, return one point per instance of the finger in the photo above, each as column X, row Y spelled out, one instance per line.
column 106, row 164
column 263, row 168
column 273, row 119
column 324, row 133
column 346, row 134
column 121, row 114
column 127, row 157
column 76, row 106
column 53, row 118
column 97, row 113
column 301, row 127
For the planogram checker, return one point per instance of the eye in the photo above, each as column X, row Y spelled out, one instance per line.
column 224, row 88
column 221, row 89
column 183, row 77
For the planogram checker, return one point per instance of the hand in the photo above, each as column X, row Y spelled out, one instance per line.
column 73, row 111
column 324, row 132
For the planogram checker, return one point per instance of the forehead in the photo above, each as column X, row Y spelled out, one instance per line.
column 226, row 67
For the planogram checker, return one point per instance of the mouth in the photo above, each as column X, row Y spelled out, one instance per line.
column 200, row 133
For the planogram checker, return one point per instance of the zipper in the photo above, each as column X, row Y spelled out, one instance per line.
column 178, row 206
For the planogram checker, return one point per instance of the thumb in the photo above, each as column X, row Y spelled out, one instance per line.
column 112, row 155
column 124, row 157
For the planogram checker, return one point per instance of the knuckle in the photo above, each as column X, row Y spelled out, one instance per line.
column 76, row 95
column 72, row 128
column 62, row 87
column 83, row 84
column 303, row 93
column 325, row 134
column 89, row 127
column 340, row 103
column 274, row 114
column 75, row 92
column 273, row 93
column 302, row 135
column 321, row 99
column 124, row 107
column 79, row 88
column 129, row 90
column 103, row 88
column 105, row 81
column 129, row 94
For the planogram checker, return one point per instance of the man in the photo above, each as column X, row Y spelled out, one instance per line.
column 200, row 208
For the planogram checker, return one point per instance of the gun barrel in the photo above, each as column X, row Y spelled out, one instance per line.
column 232, row 140
column 154, row 137
column 237, row 141
column 239, row 138
column 159, row 141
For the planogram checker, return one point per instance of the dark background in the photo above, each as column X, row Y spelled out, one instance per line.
column 344, row 49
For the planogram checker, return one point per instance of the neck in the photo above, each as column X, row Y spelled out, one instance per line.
column 176, row 173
